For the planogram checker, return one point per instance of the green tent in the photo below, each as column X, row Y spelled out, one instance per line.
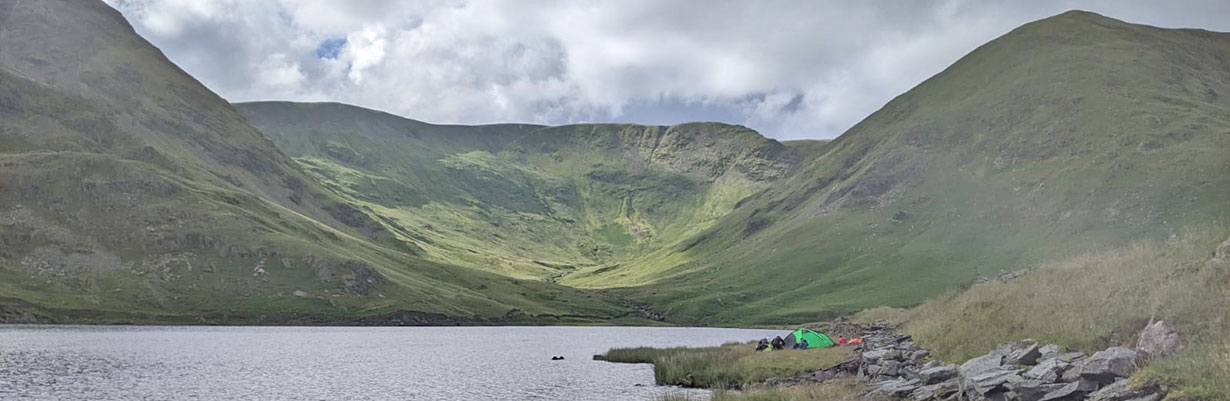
column 814, row 339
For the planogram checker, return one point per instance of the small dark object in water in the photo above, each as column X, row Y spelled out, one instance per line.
column 557, row 358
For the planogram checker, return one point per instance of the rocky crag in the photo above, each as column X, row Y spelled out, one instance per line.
column 894, row 366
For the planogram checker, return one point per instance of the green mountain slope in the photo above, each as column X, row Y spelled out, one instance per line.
column 1071, row 133
column 131, row 192
column 522, row 200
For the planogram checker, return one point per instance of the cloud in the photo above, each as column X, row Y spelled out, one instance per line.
column 790, row 69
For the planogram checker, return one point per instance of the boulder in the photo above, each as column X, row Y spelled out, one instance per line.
column 872, row 370
column 891, row 368
column 1049, row 370
column 1032, row 390
column 938, row 374
column 1071, row 374
column 935, row 391
column 1024, row 352
column 1158, row 340
column 1071, row 391
column 1048, row 350
column 881, row 354
column 1106, row 365
column 980, row 365
column 896, row 387
column 919, row 355
column 908, row 372
column 1118, row 391
column 991, row 381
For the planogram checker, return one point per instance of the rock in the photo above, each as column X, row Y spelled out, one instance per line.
column 1024, row 352
column 1072, row 374
column 980, row 365
column 1002, row 395
column 301, row 294
column 991, row 381
column 873, row 370
column 919, row 355
column 1071, row 391
column 938, row 374
column 1032, row 390
column 1048, row 350
column 935, row 391
column 881, row 354
column 1049, row 370
column 1068, row 356
column 891, row 368
column 1158, row 340
column 1118, row 391
column 931, row 364
column 896, row 387
column 1222, row 253
column 908, row 372
column 1106, row 365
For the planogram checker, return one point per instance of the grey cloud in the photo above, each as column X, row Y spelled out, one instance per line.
column 791, row 69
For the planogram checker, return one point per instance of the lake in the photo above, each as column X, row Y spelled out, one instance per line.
column 334, row 363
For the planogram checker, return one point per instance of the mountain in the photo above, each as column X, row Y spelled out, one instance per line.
column 130, row 192
column 527, row 201
column 1072, row 133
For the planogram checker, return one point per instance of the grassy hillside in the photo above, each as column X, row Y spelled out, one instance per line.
column 1072, row 133
column 1096, row 300
column 129, row 192
column 521, row 200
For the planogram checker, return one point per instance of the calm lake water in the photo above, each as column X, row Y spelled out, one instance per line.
column 334, row 363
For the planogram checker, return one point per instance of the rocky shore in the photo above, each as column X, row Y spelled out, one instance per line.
column 893, row 366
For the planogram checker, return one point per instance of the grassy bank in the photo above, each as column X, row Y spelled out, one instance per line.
column 1096, row 300
column 730, row 366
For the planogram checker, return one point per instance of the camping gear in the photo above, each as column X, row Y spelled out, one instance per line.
column 809, row 338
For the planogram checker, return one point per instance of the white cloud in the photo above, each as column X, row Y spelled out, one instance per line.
column 788, row 68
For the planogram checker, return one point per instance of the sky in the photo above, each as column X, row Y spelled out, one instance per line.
column 790, row 69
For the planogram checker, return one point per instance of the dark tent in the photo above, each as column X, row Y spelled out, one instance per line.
column 814, row 339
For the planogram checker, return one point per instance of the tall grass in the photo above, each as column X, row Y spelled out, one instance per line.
column 730, row 366
column 646, row 354
column 1096, row 300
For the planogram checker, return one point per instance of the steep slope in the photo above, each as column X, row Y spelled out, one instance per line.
column 522, row 200
column 130, row 191
column 1071, row 133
